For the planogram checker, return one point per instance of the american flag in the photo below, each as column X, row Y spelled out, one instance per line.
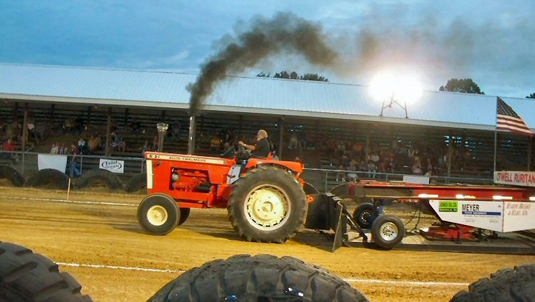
column 509, row 120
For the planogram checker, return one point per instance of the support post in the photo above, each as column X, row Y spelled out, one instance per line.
column 108, row 134
column 281, row 136
column 89, row 109
column 126, row 112
column 24, row 135
column 191, row 138
column 367, row 150
column 495, row 149
column 530, row 146
column 240, row 126
column 450, row 153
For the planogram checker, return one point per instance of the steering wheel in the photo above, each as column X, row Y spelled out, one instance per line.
column 242, row 154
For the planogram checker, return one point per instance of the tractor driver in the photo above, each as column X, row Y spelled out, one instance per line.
column 261, row 149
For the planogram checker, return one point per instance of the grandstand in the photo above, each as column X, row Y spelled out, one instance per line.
column 326, row 125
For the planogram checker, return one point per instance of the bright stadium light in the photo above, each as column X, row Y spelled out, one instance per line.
column 391, row 89
column 408, row 90
column 382, row 86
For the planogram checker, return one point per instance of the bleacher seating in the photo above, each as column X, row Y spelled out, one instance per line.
column 512, row 149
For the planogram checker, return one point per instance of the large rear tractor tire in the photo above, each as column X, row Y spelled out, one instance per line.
column 95, row 176
column 29, row 277
column 517, row 284
column 49, row 178
column 387, row 231
column 267, row 204
column 137, row 183
column 158, row 214
column 258, row 278
column 12, row 175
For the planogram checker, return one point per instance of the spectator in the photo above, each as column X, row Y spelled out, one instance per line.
column 294, row 142
column 145, row 147
column 62, row 149
column 54, row 149
column 362, row 165
column 82, row 146
column 372, row 169
column 73, row 167
column 117, row 143
column 215, row 144
column 417, row 167
column 94, row 143
column 7, row 148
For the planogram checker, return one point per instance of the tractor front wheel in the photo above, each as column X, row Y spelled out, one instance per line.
column 158, row 214
column 267, row 204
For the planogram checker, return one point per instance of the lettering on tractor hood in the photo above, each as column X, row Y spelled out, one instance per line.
column 194, row 159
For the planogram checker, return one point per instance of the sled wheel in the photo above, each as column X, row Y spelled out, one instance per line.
column 267, row 204
column 258, row 278
column 364, row 215
column 158, row 214
column 387, row 231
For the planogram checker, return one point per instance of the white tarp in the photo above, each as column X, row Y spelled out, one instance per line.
column 52, row 161
column 112, row 165
column 416, row 179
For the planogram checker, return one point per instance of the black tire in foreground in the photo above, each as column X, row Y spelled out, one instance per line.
column 517, row 284
column 9, row 173
column 137, row 183
column 29, row 277
column 267, row 204
column 158, row 214
column 258, row 278
column 49, row 177
column 365, row 214
column 387, row 231
column 95, row 176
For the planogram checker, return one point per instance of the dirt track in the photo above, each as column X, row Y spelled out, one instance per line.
column 108, row 235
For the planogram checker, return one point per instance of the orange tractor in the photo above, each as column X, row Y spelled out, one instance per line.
column 265, row 198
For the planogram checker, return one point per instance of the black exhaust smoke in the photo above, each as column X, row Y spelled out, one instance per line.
column 284, row 33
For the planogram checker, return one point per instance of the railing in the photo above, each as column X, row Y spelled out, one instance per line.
column 331, row 178
column 324, row 179
column 27, row 162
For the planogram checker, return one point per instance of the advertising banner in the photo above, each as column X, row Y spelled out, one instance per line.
column 115, row 166
column 481, row 214
column 515, row 178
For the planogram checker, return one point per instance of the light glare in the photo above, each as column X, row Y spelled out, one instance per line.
column 386, row 86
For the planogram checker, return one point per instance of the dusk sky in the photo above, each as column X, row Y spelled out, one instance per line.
column 492, row 42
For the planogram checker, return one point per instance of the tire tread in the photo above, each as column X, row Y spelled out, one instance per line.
column 261, row 278
column 36, row 277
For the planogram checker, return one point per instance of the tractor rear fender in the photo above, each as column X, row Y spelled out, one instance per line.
column 294, row 167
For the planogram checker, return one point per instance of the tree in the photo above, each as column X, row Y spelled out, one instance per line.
column 462, row 85
column 294, row 76
column 531, row 96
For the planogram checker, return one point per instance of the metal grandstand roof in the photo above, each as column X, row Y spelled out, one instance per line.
column 252, row 95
